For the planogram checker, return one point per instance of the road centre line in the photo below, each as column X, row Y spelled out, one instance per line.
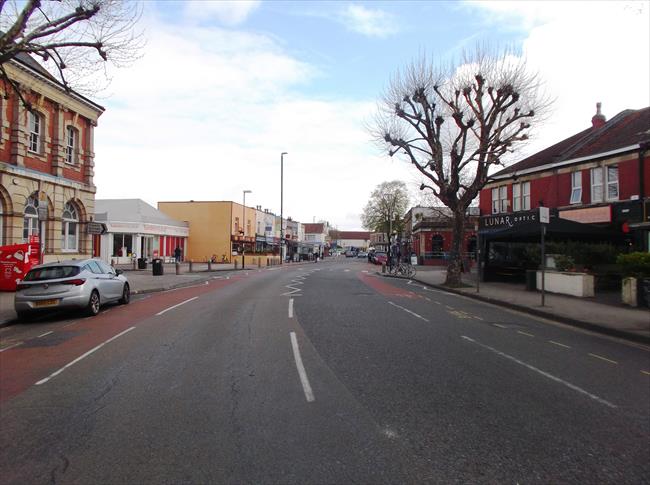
column 290, row 307
column 176, row 306
column 46, row 333
column 54, row 374
column 525, row 333
column 499, row 325
column 559, row 344
column 543, row 373
column 645, row 372
column 603, row 358
column 304, row 380
column 11, row 346
column 408, row 311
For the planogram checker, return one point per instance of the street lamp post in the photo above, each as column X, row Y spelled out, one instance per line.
column 282, row 205
column 243, row 231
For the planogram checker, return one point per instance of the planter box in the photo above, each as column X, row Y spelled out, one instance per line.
column 629, row 291
column 574, row 284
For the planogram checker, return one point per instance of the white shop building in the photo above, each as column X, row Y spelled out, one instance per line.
column 134, row 229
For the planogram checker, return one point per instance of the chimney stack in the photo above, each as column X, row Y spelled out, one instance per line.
column 598, row 119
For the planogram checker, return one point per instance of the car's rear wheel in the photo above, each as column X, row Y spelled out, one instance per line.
column 93, row 304
column 126, row 294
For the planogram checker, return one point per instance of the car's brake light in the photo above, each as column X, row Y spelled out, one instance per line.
column 76, row 282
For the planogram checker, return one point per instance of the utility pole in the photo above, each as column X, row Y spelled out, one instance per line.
column 282, row 206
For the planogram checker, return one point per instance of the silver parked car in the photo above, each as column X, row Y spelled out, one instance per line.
column 86, row 284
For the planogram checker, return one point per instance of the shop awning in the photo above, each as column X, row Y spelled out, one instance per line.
column 556, row 229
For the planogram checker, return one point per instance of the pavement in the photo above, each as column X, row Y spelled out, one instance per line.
column 319, row 374
column 596, row 314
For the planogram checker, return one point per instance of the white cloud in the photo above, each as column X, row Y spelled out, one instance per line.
column 585, row 52
column 205, row 114
column 370, row 22
column 227, row 12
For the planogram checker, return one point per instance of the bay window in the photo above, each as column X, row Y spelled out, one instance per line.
column 611, row 179
column 597, row 184
column 503, row 198
column 576, row 187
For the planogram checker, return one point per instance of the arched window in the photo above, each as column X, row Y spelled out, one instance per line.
column 30, row 221
column 35, row 127
column 69, row 228
column 71, row 140
column 2, row 220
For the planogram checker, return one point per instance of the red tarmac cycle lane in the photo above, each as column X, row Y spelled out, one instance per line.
column 24, row 365
column 383, row 287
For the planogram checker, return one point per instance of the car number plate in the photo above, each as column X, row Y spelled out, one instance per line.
column 46, row 303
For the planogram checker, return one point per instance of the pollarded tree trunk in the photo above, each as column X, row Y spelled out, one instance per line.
column 455, row 266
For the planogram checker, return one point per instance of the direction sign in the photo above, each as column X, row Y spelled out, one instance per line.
column 95, row 228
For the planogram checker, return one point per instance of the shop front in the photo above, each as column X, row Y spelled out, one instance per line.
column 135, row 230
column 510, row 243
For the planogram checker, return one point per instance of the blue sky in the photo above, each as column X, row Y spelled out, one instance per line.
column 223, row 87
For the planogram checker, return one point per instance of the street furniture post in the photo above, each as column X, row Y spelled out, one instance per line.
column 544, row 219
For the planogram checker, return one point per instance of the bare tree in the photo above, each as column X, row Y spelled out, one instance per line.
column 72, row 39
column 455, row 124
column 386, row 207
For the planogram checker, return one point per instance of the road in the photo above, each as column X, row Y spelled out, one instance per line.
column 319, row 373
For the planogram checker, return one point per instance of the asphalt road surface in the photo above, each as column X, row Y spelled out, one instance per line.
column 319, row 373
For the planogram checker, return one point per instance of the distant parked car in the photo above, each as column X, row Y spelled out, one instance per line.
column 380, row 257
column 350, row 253
column 86, row 284
column 362, row 254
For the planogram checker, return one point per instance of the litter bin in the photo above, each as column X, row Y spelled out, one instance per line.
column 531, row 280
column 157, row 265
column 142, row 263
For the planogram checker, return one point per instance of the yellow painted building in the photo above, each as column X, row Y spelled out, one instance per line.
column 215, row 229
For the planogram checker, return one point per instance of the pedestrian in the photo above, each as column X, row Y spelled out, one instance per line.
column 177, row 254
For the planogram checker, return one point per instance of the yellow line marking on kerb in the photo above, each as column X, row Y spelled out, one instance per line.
column 645, row 372
column 603, row 358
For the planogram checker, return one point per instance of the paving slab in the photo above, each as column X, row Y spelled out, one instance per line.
column 595, row 314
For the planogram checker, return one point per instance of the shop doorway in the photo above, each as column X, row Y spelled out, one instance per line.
column 146, row 247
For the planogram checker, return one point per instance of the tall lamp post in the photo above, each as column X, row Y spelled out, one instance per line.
column 243, row 227
column 282, row 205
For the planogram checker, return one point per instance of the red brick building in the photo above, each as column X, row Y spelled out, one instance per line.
column 599, row 177
column 46, row 160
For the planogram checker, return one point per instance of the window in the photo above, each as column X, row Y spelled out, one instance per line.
column 69, row 228
column 2, row 221
column 495, row 200
column 611, row 179
column 71, row 145
column 237, row 225
column 30, row 221
column 597, row 184
column 526, row 196
column 122, row 244
column 503, row 198
column 34, row 132
column 516, row 197
column 576, row 187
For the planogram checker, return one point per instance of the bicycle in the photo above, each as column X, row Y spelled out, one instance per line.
column 403, row 269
